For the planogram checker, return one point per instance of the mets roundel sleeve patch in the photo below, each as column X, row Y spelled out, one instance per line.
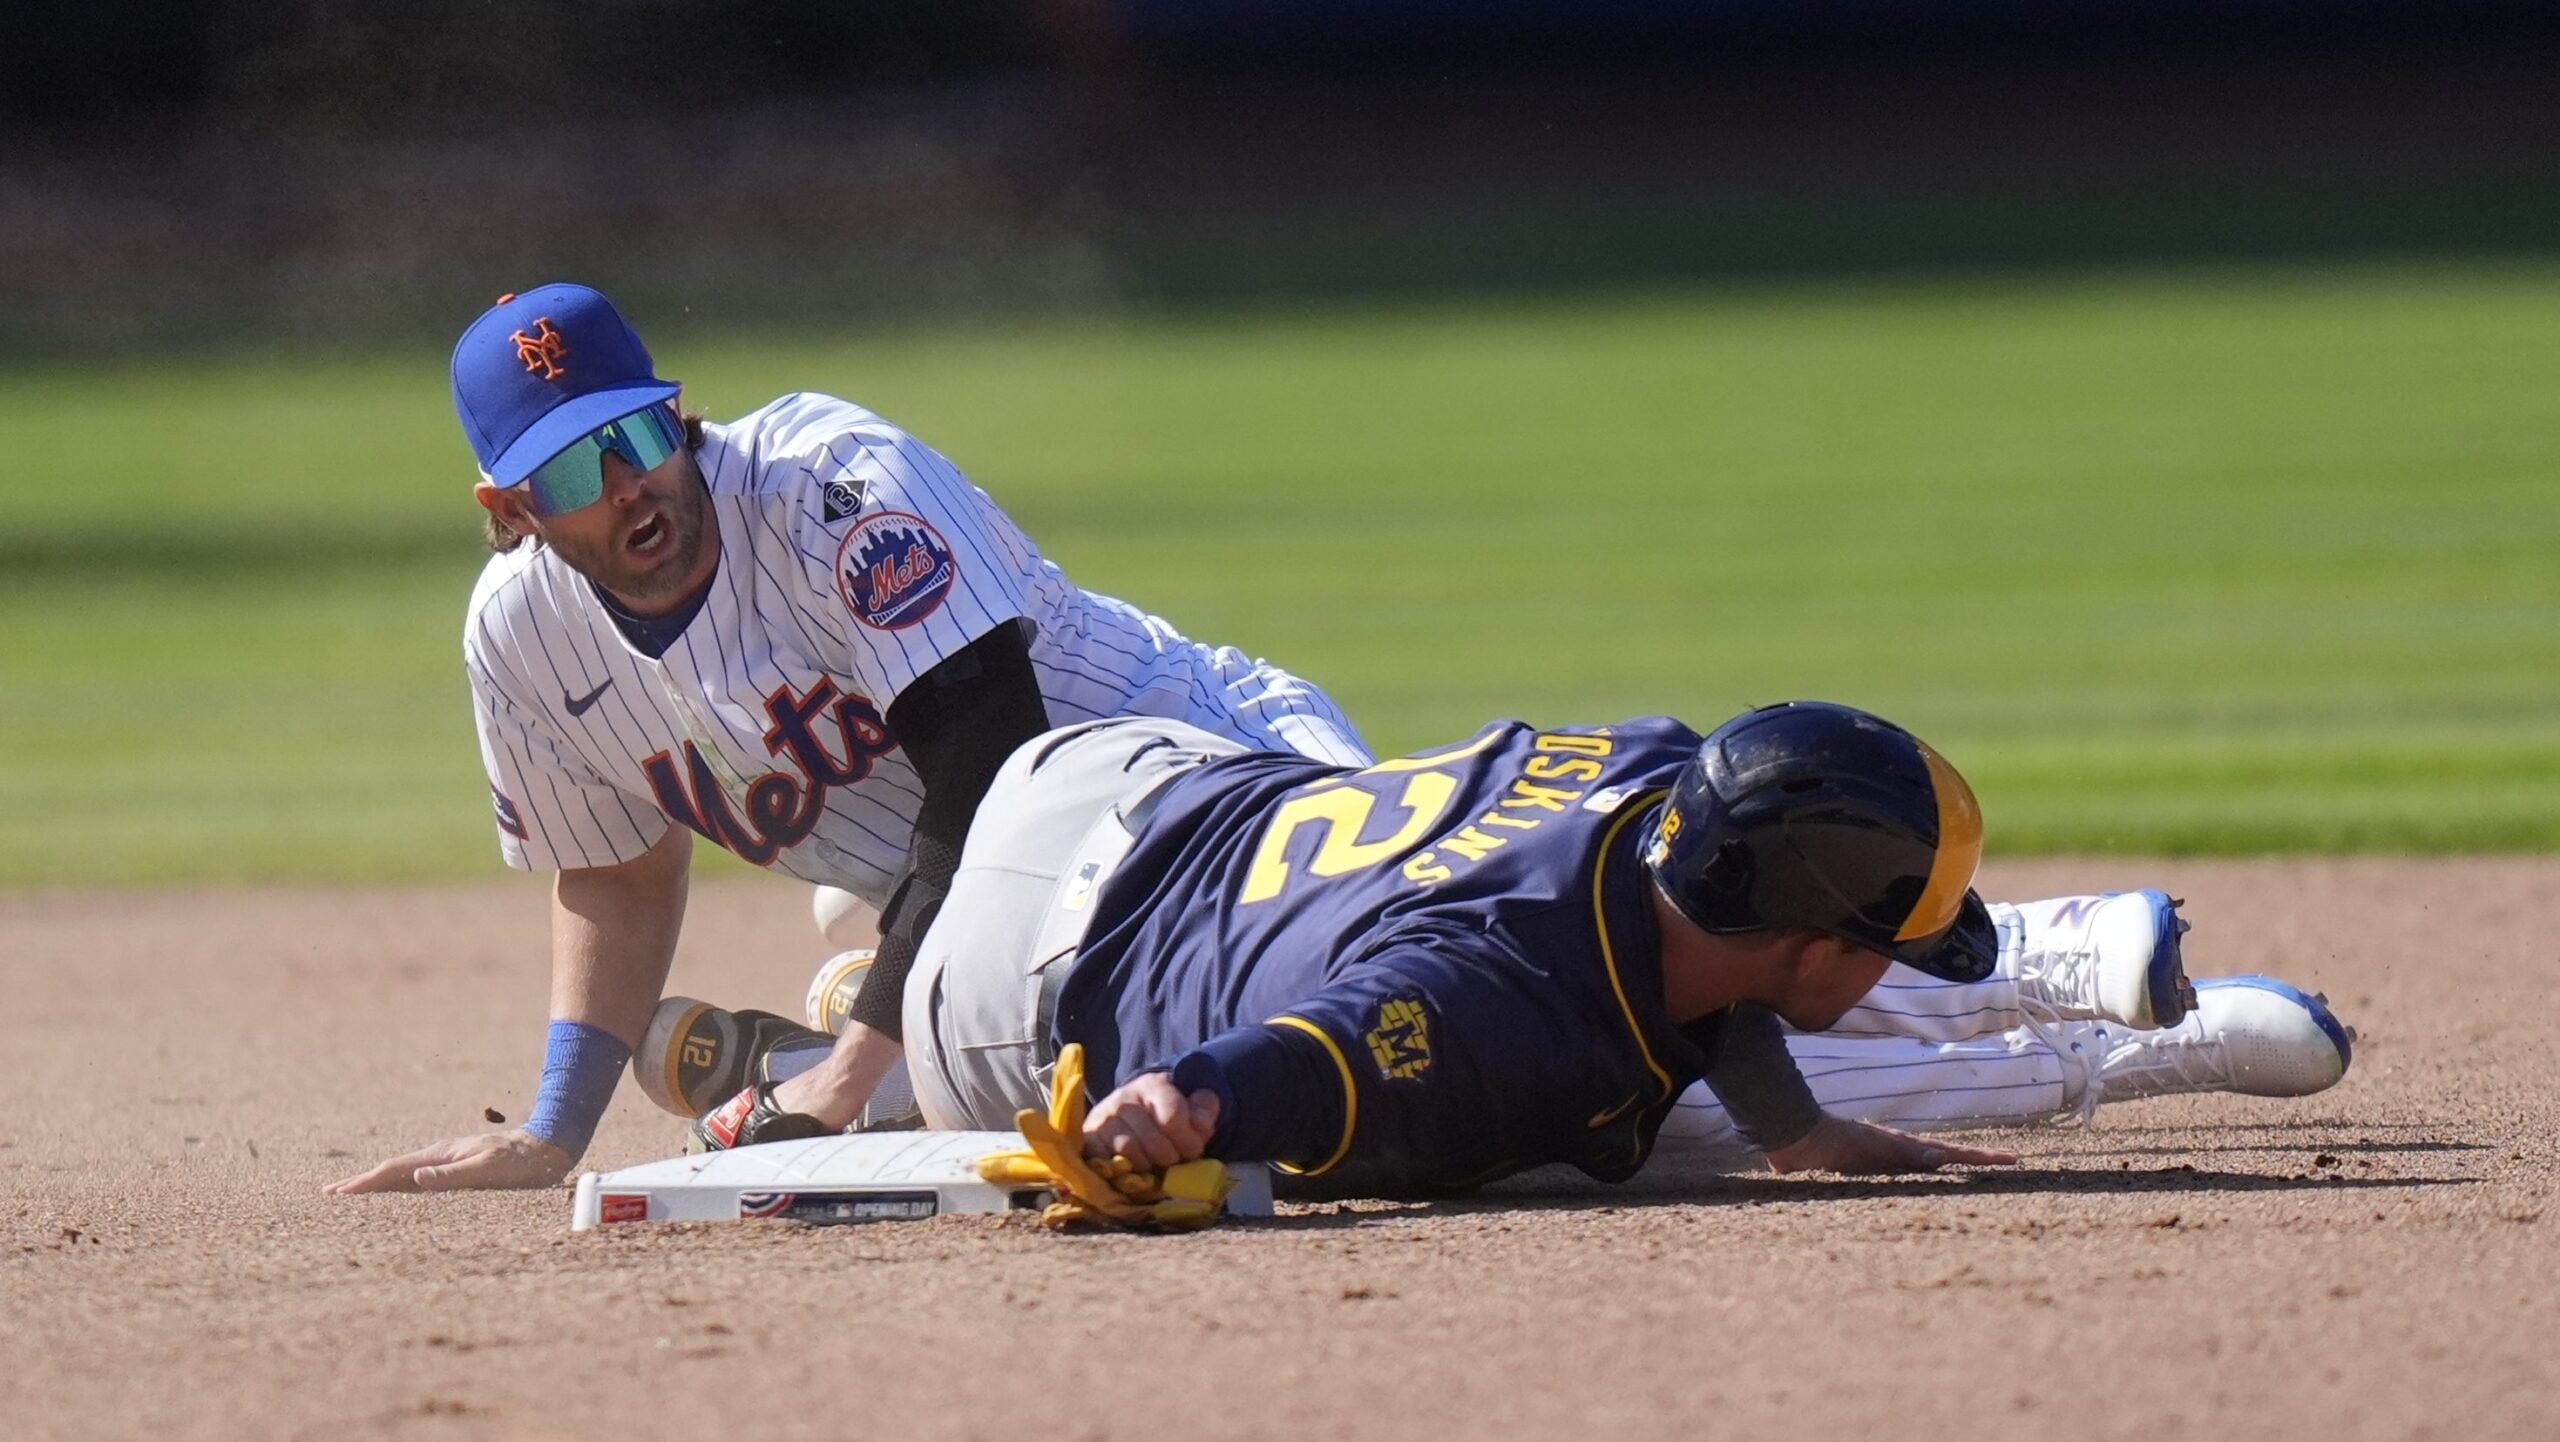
column 894, row 569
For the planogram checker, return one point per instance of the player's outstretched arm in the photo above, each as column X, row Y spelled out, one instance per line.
column 492, row 1159
column 613, row 936
column 1837, row 1144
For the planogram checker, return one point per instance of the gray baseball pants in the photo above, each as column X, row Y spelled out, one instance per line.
column 1054, row 825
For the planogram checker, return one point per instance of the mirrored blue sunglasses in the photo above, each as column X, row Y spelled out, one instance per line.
column 574, row 479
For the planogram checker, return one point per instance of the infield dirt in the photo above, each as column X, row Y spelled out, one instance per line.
column 188, row 1068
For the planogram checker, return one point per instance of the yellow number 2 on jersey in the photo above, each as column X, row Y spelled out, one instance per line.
column 1343, row 806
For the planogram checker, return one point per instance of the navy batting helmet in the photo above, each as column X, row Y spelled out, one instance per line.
column 1819, row 816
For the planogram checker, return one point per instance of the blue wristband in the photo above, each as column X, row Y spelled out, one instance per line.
column 580, row 1068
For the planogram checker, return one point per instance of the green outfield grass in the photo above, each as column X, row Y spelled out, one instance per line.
column 2230, row 562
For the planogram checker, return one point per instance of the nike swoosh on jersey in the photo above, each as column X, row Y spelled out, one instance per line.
column 1603, row 1118
column 578, row 704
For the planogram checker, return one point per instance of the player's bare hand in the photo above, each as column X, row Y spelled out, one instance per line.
column 1837, row 1144
column 1151, row 1122
column 514, row 1158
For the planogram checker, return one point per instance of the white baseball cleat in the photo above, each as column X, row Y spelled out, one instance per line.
column 2113, row 957
column 2252, row 1035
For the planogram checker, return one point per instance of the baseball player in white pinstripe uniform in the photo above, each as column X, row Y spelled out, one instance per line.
column 803, row 636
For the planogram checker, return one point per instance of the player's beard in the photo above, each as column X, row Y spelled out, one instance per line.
column 663, row 574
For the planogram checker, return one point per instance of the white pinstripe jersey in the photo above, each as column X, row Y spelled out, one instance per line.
column 852, row 559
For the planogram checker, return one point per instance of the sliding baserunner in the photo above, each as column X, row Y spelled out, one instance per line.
column 2051, row 1025
column 1418, row 976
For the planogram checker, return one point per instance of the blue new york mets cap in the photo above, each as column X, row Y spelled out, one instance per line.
column 538, row 370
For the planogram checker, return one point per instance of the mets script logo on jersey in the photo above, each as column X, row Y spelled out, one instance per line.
column 894, row 570
column 543, row 351
column 781, row 808
column 1401, row 1041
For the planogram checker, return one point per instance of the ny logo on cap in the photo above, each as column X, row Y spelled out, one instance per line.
column 543, row 351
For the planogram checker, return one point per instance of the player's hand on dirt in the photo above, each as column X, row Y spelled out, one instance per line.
column 515, row 1158
column 1837, row 1144
column 1152, row 1122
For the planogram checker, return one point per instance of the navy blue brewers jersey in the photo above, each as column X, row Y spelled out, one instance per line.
column 1406, row 979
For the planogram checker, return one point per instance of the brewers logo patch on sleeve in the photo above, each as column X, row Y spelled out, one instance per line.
column 1400, row 1043
column 894, row 569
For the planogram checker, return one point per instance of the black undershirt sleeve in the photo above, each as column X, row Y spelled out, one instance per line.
column 1758, row 1082
column 957, row 723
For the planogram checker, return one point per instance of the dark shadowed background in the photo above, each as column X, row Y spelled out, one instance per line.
column 326, row 171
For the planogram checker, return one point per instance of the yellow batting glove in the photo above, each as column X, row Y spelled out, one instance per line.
column 1113, row 1191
